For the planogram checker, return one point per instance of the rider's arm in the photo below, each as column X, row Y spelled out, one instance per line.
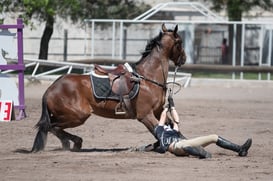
column 163, row 117
column 174, row 115
column 172, row 109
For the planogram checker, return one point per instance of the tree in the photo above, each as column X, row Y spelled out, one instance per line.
column 235, row 10
column 75, row 10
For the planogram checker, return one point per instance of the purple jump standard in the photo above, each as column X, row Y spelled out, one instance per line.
column 20, row 67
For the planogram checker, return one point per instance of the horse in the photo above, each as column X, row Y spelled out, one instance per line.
column 70, row 100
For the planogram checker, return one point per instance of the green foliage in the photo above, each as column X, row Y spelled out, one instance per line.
column 73, row 9
column 114, row 9
column 6, row 6
column 235, row 8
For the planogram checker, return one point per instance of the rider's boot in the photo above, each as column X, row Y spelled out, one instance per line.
column 241, row 150
column 197, row 151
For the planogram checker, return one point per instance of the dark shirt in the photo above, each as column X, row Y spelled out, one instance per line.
column 166, row 136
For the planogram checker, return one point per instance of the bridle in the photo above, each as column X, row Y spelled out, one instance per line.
column 162, row 85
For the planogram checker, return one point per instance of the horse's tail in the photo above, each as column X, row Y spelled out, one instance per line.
column 43, row 127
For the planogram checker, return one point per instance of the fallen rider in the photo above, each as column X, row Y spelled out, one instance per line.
column 172, row 140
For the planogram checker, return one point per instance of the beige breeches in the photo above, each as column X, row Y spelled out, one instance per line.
column 195, row 142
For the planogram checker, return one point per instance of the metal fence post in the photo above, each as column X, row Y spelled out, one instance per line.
column 65, row 45
column 234, row 49
column 242, row 50
column 124, row 48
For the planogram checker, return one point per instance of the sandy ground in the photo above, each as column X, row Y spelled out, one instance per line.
column 234, row 110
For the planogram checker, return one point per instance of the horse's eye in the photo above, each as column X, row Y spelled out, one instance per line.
column 179, row 44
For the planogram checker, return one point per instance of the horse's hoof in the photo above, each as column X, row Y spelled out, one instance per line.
column 66, row 145
column 78, row 145
column 76, row 149
column 145, row 148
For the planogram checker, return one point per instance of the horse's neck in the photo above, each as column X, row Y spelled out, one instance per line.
column 154, row 66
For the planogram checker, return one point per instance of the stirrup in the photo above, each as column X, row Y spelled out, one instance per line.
column 119, row 109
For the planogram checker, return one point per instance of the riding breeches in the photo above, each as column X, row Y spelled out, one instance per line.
column 177, row 147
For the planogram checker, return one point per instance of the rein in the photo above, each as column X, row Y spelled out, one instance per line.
column 154, row 82
column 150, row 80
column 164, row 87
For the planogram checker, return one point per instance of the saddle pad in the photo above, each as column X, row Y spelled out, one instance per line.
column 102, row 88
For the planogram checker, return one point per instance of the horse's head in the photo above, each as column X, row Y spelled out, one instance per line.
column 173, row 43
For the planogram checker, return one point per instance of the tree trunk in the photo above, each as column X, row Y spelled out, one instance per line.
column 234, row 14
column 238, row 40
column 230, row 43
column 48, row 31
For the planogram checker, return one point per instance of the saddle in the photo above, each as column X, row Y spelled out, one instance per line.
column 122, row 82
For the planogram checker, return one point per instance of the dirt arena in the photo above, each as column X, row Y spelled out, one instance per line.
column 235, row 110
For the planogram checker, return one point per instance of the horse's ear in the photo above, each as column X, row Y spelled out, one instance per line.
column 164, row 29
column 175, row 29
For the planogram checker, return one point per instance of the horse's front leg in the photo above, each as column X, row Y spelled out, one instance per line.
column 149, row 147
column 150, row 122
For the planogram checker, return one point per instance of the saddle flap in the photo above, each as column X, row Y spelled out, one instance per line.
column 121, row 84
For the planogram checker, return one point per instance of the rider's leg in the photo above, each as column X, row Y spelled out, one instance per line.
column 197, row 151
column 242, row 150
column 181, row 146
column 179, row 150
column 203, row 141
column 200, row 141
column 194, row 146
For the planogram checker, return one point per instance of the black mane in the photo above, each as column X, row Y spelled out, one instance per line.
column 150, row 45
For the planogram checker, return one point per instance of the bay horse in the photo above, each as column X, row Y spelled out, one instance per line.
column 70, row 100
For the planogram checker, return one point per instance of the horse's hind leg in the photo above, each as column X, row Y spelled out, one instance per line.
column 65, row 137
column 64, row 140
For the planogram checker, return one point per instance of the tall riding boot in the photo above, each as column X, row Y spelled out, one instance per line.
column 197, row 151
column 241, row 150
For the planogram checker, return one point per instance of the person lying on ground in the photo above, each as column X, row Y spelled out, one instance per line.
column 173, row 141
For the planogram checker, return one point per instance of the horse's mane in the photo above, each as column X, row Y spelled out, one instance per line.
column 150, row 45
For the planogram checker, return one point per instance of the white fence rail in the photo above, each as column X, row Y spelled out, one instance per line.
column 58, row 68
column 202, row 40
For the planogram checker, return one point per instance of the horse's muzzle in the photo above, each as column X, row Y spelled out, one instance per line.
column 181, row 60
